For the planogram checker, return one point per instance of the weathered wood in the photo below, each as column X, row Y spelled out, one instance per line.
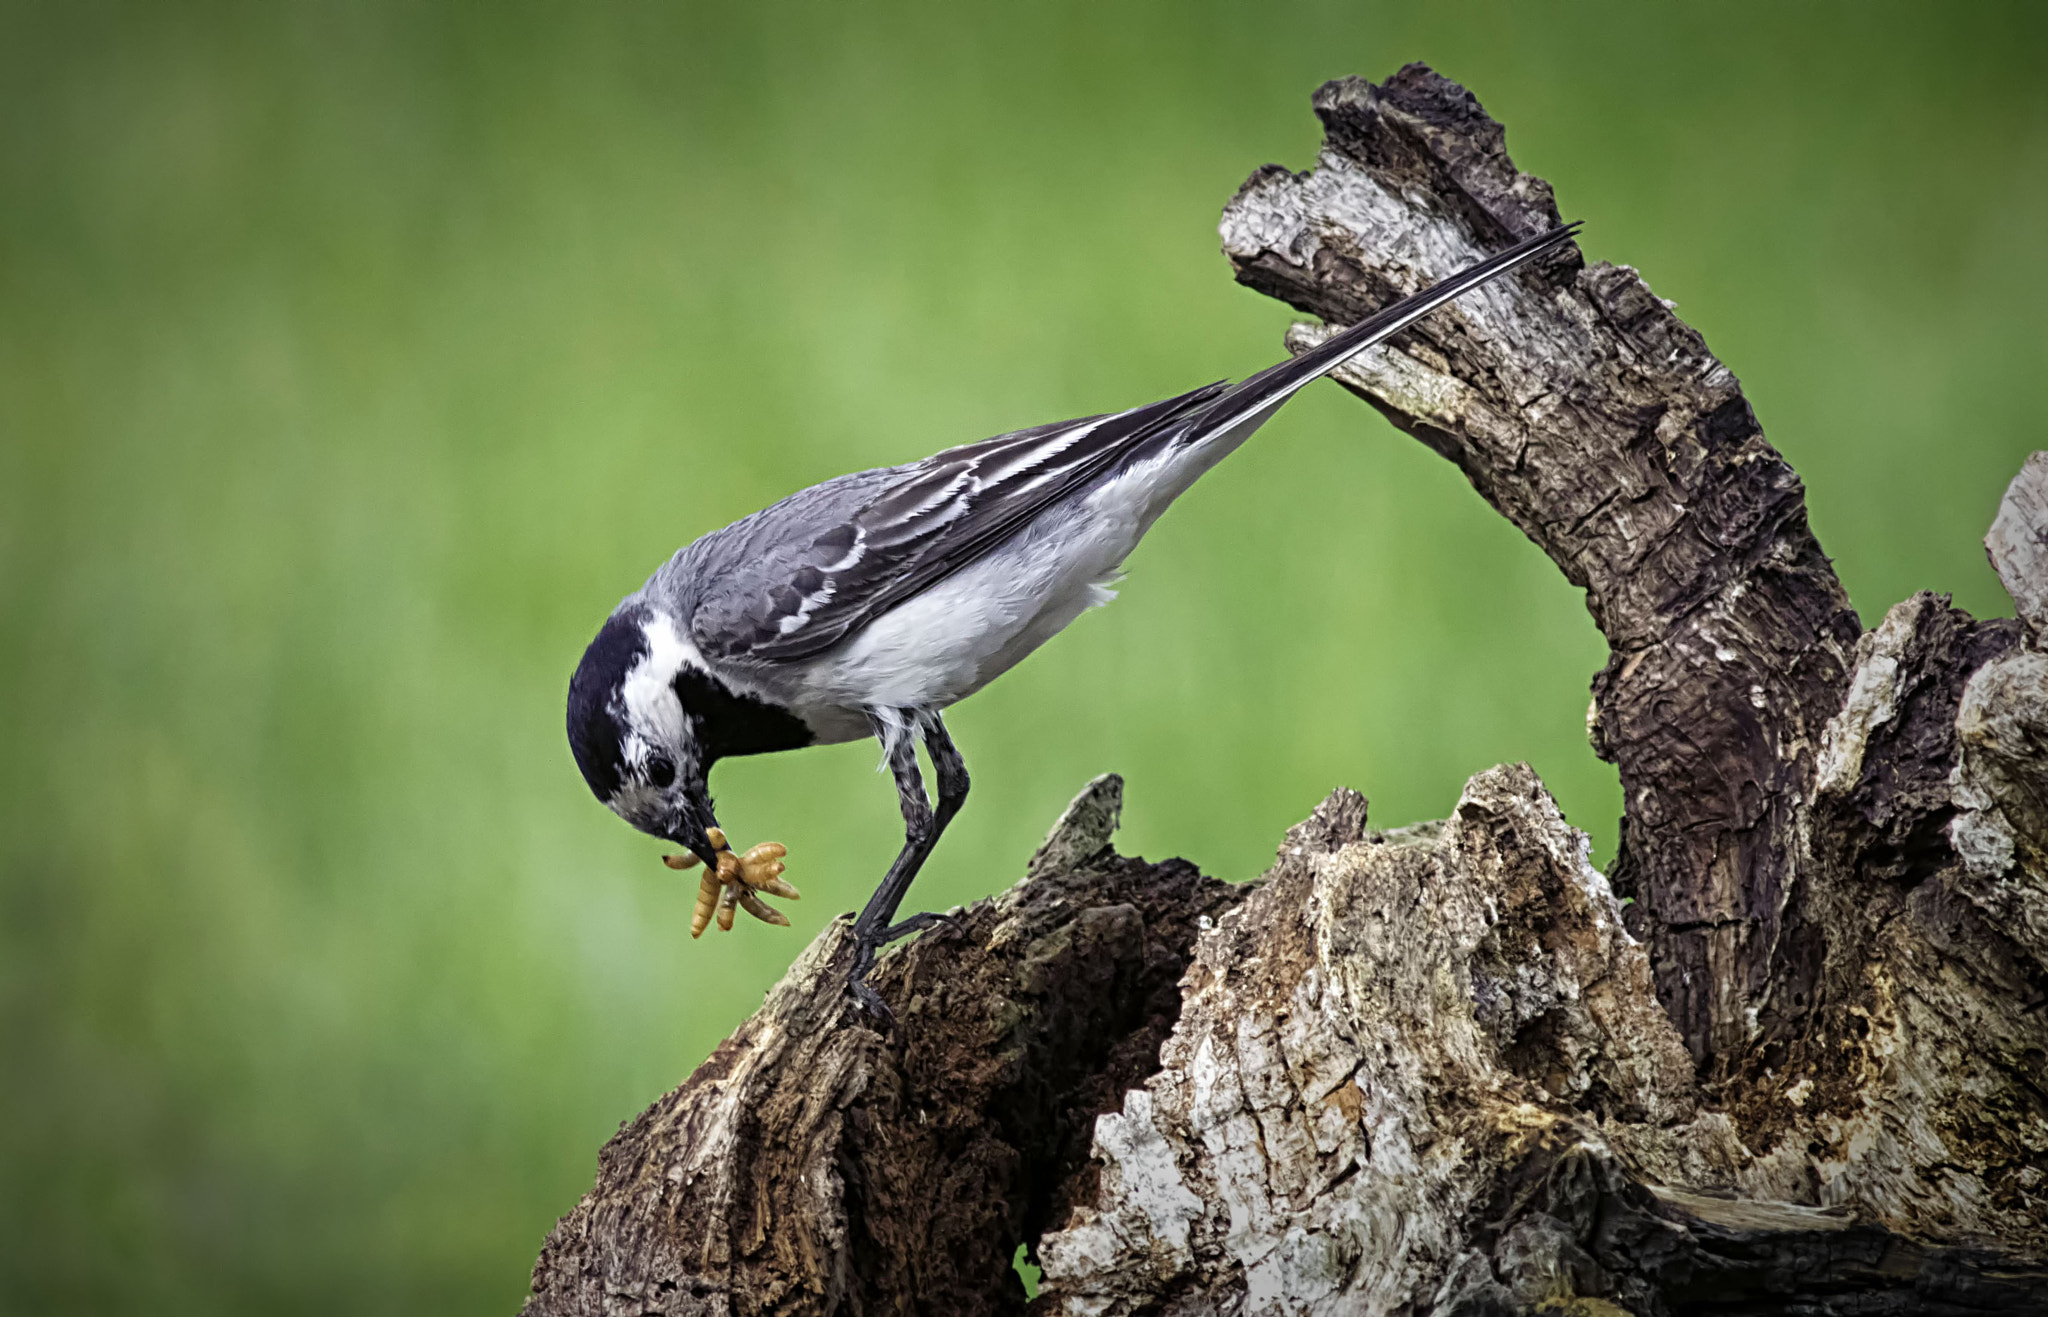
column 1433, row 1070
column 813, row 1165
column 2018, row 544
column 1428, row 1072
column 1851, row 984
column 1584, row 410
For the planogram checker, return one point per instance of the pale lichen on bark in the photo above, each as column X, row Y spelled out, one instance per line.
column 1370, row 1026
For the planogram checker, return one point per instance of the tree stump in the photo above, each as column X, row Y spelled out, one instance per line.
column 1790, row 1055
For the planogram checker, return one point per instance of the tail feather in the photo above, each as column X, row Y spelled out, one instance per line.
column 1261, row 394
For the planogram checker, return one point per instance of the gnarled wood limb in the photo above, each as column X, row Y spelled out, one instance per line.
column 1432, row 1070
column 1815, row 933
column 1584, row 410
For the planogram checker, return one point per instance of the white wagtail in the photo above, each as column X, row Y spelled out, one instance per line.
column 865, row 605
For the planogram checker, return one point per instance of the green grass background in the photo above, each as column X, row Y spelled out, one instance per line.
column 355, row 358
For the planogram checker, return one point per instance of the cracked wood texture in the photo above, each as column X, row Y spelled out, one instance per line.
column 1814, row 921
column 1584, row 410
column 813, row 1165
column 1426, row 1071
column 1450, row 1068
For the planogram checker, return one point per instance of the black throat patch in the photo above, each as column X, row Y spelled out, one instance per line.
column 732, row 724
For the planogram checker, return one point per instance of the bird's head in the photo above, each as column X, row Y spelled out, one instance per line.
column 639, row 748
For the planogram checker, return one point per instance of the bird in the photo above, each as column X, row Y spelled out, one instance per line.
column 869, row 604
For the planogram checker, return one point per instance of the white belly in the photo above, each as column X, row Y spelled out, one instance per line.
column 975, row 625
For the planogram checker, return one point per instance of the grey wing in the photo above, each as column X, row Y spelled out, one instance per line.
column 801, row 576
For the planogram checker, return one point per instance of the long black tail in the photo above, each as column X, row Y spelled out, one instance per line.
column 1276, row 384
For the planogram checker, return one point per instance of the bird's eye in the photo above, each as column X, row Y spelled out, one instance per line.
column 661, row 770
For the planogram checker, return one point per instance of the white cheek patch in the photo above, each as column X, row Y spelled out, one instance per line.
column 652, row 708
column 639, row 803
column 635, row 751
column 636, row 804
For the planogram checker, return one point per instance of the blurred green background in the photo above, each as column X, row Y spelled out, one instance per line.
column 355, row 358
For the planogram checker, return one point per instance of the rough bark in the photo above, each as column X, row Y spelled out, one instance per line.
column 1791, row 1055
column 1429, row 1073
column 814, row 1165
column 1814, row 932
column 1584, row 410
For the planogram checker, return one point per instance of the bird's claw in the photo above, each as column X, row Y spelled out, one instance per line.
column 857, row 985
column 917, row 924
column 865, row 997
column 736, row 882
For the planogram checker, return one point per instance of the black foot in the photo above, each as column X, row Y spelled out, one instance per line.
column 857, row 984
column 865, row 997
column 858, row 987
column 915, row 924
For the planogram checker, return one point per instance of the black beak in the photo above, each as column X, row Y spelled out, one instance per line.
column 694, row 840
column 690, row 828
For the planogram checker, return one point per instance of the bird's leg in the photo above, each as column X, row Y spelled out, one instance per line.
column 951, row 771
column 921, row 830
